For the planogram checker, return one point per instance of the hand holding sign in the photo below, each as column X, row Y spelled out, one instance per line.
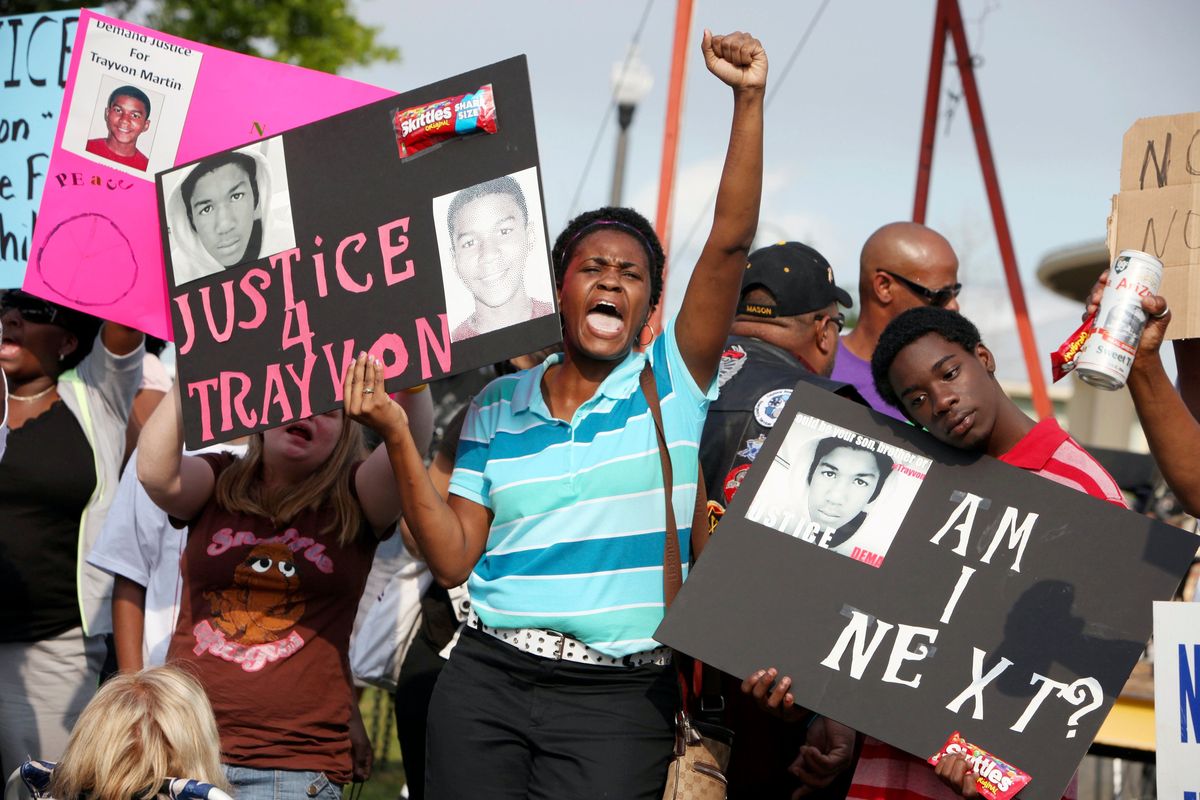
column 826, row 753
column 773, row 696
column 365, row 400
column 955, row 772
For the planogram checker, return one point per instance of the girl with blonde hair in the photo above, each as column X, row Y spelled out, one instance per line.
column 140, row 729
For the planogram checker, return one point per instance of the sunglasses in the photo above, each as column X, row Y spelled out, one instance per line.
column 938, row 297
column 30, row 308
column 838, row 319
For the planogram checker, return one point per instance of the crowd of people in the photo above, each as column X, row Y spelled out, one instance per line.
column 243, row 568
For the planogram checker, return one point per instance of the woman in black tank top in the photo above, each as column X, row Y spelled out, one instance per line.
column 48, row 481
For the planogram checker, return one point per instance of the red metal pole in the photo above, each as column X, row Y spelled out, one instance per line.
column 666, row 176
column 953, row 19
column 933, row 95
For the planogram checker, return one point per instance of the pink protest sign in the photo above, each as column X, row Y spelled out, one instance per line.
column 138, row 102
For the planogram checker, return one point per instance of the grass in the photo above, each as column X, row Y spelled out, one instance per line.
column 387, row 777
column 385, row 783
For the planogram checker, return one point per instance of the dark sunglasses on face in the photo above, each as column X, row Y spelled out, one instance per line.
column 31, row 309
column 838, row 319
column 935, row 297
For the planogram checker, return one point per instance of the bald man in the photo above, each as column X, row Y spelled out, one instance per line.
column 903, row 265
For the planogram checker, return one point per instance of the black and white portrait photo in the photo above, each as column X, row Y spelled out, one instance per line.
column 494, row 265
column 227, row 210
column 839, row 490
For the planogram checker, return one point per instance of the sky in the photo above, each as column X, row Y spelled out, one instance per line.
column 1060, row 81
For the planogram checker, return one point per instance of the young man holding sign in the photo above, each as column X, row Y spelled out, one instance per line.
column 931, row 364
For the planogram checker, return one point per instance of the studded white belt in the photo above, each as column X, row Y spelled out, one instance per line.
column 562, row 647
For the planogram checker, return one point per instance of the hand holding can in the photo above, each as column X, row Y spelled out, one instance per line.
column 1108, row 354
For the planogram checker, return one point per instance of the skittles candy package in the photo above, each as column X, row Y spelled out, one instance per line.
column 424, row 126
column 994, row 779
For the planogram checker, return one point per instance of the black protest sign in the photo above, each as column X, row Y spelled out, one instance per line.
column 287, row 257
column 912, row 590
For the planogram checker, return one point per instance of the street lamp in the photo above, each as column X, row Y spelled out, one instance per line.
column 631, row 82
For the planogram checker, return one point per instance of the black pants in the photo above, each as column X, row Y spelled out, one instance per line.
column 508, row 724
column 418, row 675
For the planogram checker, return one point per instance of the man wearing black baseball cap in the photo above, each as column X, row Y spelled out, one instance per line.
column 786, row 331
column 789, row 299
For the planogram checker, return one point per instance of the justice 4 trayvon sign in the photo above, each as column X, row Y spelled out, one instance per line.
column 289, row 256
column 937, row 591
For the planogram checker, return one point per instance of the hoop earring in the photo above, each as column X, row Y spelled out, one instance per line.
column 652, row 335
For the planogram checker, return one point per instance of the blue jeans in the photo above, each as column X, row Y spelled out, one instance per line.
column 249, row 783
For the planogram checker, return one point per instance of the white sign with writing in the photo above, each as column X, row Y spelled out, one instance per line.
column 1177, row 699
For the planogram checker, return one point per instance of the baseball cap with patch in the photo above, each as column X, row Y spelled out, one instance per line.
column 797, row 276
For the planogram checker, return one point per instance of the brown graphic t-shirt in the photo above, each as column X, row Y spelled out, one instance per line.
column 265, row 623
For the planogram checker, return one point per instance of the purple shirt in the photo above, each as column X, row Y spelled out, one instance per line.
column 849, row 368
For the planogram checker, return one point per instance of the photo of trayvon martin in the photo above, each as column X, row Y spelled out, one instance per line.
column 226, row 211
column 837, row 490
column 126, row 117
column 493, row 270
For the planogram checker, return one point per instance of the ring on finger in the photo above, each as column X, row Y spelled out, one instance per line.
column 1166, row 310
column 368, row 390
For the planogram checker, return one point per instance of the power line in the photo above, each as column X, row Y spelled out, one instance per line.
column 637, row 36
column 796, row 52
column 687, row 240
column 975, row 58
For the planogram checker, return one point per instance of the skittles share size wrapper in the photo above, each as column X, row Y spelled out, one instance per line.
column 424, row 126
column 994, row 779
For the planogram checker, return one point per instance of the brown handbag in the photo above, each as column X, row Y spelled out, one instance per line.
column 697, row 771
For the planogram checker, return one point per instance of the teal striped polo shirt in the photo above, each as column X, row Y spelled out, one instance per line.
column 576, row 543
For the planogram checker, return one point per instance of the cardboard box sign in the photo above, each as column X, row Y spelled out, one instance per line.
column 1161, row 151
column 1158, row 209
column 959, row 593
column 95, row 247
column 289, row 256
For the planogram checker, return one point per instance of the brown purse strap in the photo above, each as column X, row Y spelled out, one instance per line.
column 701, row 532
column 700, row 680
column 672, row 567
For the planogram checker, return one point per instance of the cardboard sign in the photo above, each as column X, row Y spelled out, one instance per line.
column 1161, row 151
column 35, row 50
column 137, row 102
column 290, row 256
column 1177, row 699
column 934, row 591
column 1158, row 209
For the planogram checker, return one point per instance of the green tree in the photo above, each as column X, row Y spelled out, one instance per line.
column 319, row 34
